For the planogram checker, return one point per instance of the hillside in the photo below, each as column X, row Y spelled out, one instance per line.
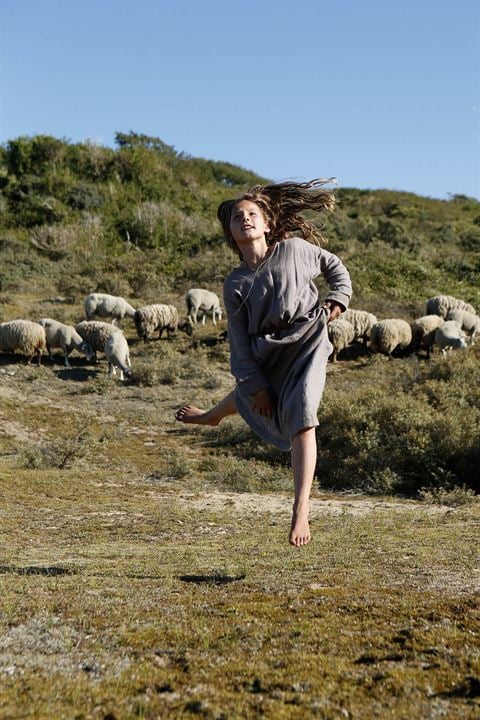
column 140, row 220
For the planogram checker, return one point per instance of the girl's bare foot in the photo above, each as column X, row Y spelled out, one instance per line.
column 192, row 414
column 300, row 529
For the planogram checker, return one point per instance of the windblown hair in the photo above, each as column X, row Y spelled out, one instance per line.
column 282, row 205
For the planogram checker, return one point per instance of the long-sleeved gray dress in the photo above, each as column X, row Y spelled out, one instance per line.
column 278, row 334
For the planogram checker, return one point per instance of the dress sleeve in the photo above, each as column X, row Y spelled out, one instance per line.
column 246, row 371
column 337, row 277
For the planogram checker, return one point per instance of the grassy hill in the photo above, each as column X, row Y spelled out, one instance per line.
column 140, row 219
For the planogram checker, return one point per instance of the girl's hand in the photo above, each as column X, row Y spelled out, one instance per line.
column 262, row 403
column 334, row 309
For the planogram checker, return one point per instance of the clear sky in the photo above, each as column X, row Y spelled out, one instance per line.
column 379, row 93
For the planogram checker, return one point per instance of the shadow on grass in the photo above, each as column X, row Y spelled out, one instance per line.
column 354, row 352
column 50, row 571
column 55, row 570
column 77, row 374
column 12, row 359
column 470, row 688
column 211, row 579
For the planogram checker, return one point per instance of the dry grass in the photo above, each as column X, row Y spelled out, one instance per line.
column 149, row 575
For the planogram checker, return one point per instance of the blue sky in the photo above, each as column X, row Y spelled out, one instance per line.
column 380, row 94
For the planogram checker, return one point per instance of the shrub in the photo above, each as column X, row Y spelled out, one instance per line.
column 403, row 439
column 452, row 498
column 60, row 453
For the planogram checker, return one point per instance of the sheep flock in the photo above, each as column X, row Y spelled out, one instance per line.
column 448, row 324
column 36, row 337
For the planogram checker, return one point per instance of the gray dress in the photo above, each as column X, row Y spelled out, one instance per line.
column 278, row 334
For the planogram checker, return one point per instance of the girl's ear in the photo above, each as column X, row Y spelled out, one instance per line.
column 267, row 228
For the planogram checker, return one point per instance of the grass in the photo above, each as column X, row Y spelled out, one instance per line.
column 149, row 574
column 146, row 608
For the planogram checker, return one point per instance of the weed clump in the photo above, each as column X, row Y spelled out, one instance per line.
column 455, row 497
column 235, row 475
column 61, row 453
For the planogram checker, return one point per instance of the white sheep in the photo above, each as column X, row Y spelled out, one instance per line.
column 388, row 335
column 109, row 339
column 118, row 355
column 341, row 333
column 24, row 335
column 204, row 302
column 423, row 332
column 468, row 321
column 150, row 318
column 443, row 304
column 96, row 333
column 362, row 322
column 66, row 338
column 449, row 336
column 105, row 305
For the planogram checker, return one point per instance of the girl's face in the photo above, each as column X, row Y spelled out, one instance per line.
column 247, row 223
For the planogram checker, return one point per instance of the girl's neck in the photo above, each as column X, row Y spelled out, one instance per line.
column 255, row 253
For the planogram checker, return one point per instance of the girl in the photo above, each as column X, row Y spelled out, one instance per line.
column 277, row 326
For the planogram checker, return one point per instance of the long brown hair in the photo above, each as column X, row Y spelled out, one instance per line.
column 281, row 205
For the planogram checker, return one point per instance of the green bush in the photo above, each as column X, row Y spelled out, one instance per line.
column 422, row 433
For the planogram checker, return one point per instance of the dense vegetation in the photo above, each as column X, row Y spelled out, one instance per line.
column 141, row 217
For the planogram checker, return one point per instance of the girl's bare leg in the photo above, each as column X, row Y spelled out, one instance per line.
column 192, row 414
column 304, row 457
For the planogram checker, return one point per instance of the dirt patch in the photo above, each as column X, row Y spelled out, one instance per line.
column 254, row 503
column 10, row 428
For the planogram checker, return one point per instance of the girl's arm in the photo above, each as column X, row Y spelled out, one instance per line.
column 246, row 371
column 316, row 261
column 338, row 279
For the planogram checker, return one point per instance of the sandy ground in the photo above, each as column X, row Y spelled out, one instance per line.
column 251, row 503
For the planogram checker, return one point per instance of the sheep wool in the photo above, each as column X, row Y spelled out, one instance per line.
column 150, row 318
column 341, row 333
column 388, row 335
column 24, row 335
column 468, row 321
column 118, row 355
column 443, row 304
column 362, row 322
column 204, row 302
column 96, row 333
column 64, row 337
column 449, row 336
column 423, row 332
column 105, row 305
